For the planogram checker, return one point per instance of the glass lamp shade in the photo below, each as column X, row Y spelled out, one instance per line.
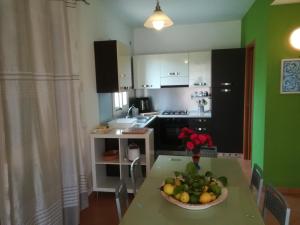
column 158, row 20
column 295, row 39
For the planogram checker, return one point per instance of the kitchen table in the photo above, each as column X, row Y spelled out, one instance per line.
column 150, row 208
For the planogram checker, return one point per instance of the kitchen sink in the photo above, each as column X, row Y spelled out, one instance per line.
column 122, row 122
column 142, row 119
column 138, row 121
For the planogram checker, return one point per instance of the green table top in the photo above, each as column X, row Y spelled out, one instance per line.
column 150, row 208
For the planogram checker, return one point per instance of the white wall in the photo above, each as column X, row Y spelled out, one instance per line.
column 97, row 22
column 204, row 36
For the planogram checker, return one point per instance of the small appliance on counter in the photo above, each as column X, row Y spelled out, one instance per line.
column 143, row 104
column 133, row 152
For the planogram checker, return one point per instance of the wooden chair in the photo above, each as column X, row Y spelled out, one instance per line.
column 135, row 173
column 121, row 197
column 257, row 182
column 275, row 203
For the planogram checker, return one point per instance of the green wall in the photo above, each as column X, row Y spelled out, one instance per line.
column 254, row 31
column 276, row 123
column 282, row 137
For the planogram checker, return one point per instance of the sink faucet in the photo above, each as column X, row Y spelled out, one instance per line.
column 130, row 109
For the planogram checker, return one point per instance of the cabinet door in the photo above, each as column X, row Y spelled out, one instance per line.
column 106, row 66
column 124, row 67
column 146, row 71
column 228, row 71
column 174, row 65
column 228, row 67
column 200, row 69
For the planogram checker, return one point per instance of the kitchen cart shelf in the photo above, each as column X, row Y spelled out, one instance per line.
column 128, row 162
column 104, row 181
column 124, row 161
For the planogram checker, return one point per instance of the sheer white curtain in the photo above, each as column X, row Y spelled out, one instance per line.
column 42, row 149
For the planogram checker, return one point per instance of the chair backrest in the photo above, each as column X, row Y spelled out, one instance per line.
column 276, row 204
column 121, row 197
column 257, row 182
column 135, row 172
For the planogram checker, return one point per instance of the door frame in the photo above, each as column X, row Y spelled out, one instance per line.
column 248, row 101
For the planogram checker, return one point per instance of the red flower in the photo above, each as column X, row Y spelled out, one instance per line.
column 187, row 130
column 181, row 135
column 196, row 141
column 194, row 137
column 190, row 145
column 202, row 138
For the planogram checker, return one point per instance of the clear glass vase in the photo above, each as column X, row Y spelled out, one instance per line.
column 196, row 159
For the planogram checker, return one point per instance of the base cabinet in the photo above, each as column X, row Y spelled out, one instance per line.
column 107, row 174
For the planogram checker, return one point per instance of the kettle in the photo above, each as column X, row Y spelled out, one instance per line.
column 133, row 152
column 143, row 104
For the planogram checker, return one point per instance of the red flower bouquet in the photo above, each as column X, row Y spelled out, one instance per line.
column 193, row 142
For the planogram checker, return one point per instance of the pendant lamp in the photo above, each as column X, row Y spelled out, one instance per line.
column 158, row 20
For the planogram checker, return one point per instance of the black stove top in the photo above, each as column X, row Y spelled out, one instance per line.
column 175, row 112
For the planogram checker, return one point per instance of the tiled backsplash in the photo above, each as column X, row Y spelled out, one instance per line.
column 177, row 98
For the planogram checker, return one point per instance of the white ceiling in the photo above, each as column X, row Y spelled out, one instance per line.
column 135, row 12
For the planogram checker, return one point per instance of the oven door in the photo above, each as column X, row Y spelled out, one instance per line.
column 169, row 129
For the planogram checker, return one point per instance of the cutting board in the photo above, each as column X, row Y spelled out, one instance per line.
column 135, row 131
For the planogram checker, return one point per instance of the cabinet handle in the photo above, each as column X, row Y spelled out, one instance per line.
column 173, row 73
column 178, row 73
column 226, row 90
column 151, row 85
column 147, row 85
column 225, row 84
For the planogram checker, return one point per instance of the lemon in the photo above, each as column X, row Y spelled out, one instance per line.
column 168, row 189
column 213, row 196
column 185, row 197
column 178, row 196
column 177, row 182
column 205, row 198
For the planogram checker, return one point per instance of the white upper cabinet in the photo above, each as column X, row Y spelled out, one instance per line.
column 200, row 69
column 174, row 65
column 124, row 67
column 146, row 70
column 171, row 70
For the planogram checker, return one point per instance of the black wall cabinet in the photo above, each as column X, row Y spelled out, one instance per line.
column 113, row 66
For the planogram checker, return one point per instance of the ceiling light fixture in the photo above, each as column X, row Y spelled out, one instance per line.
column 158, row 20
column 295, row 38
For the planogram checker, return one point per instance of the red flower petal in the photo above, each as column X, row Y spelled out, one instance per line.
column 190, row 145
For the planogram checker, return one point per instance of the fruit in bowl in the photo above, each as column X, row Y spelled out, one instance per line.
column 193, row 190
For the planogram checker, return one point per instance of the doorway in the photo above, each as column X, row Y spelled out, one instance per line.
column 248, row 101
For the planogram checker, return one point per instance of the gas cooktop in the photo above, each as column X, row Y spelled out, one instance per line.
column 175, row 112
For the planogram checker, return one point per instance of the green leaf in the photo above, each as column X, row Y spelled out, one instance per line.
column 177, row 174
column 223, row 180
column 169, row 180
column 208, row 174
column 191, row 168
column 178, row 189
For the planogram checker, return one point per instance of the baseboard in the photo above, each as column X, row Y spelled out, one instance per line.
column 289, row 191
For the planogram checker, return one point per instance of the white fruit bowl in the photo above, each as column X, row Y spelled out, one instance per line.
column 174, row 201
